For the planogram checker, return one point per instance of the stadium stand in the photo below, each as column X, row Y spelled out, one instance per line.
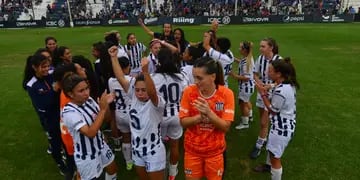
column 122, row 9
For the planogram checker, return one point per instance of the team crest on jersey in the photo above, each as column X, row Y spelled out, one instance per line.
column 188, row 171
column 219, row 106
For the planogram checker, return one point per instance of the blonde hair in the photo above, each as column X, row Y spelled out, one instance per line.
column 248, row 46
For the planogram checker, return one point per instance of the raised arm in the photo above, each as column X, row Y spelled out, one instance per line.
column 172, row 48
column 119, row 74
column 150, row 86
column 146, row 29
column 214, row 54
column 215, row 25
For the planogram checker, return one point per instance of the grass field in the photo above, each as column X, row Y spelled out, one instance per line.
column 327, row 134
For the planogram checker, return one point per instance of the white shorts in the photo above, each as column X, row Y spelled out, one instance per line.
column 122, row 121
column 92, row 168
column 244, row 96
column 171, row 127
column 107, row 156
column 276, row 143
column 259, row 101
column 152, row 163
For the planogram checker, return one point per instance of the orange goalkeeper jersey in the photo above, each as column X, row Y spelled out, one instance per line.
column 65, row 134
column 203, row 139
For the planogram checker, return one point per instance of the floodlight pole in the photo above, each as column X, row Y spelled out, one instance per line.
column 70, row 17
column 236, row 6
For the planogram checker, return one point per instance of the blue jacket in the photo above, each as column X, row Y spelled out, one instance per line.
column 45, row 100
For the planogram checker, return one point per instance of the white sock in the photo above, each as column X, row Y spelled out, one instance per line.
column 268, row 162
column 110, row 177
column 276, row 174
column 245, row 120
column 126, row 149
column 173, row 169
column 260, row 142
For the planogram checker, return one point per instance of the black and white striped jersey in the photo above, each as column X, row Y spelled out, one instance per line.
column 122, row 52
column 283, row 103
column 262, row 67
column 77, row 116
column 225, row 60
column 246, row 71
column 135, row 53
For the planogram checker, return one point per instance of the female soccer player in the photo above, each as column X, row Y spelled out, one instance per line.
column 155, row 46
column 181, row 43
column 84, row 117
column 122, row 107
column 146, row 114
column 51, row 45
column 269, row 52
column 190, row 55
column 245, row 78
column 282, row 113
column 62, row 56
column 166, row 35
column 135, row 51
column 114, row 37
column 206, row 111
column 38, row 83
column 221, row 53
column 67, row 140
column 169, row 83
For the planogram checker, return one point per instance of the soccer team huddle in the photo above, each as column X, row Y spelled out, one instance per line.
column 149, row 102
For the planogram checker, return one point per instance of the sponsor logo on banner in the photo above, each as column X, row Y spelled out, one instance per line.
column 26, row 24
column 337, row 19
column 61, row 23
column 223, row 20
column 255, row 19
column 325, row 18
column 226, row 20
column 88, row 22
column 150, row 20
column 184, row 20
column 1, row 25
column 293, row 19
column 118, row 21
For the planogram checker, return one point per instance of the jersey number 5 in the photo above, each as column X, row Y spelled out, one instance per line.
column 135, row 122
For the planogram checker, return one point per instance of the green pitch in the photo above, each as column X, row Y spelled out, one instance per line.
column 326, row 142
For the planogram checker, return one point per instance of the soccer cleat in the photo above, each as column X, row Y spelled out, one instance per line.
column 129, row 166
column 63, row 169
column 242, row 126
column 255, row 153
column 49, row 150
column 262, row 168
column 171, row 177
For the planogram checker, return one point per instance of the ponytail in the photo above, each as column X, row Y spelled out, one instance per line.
column 287, row 70
column 28, row 72
column 35, row 60
column 219, row 80
column 292, row 76
column 248, row 46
